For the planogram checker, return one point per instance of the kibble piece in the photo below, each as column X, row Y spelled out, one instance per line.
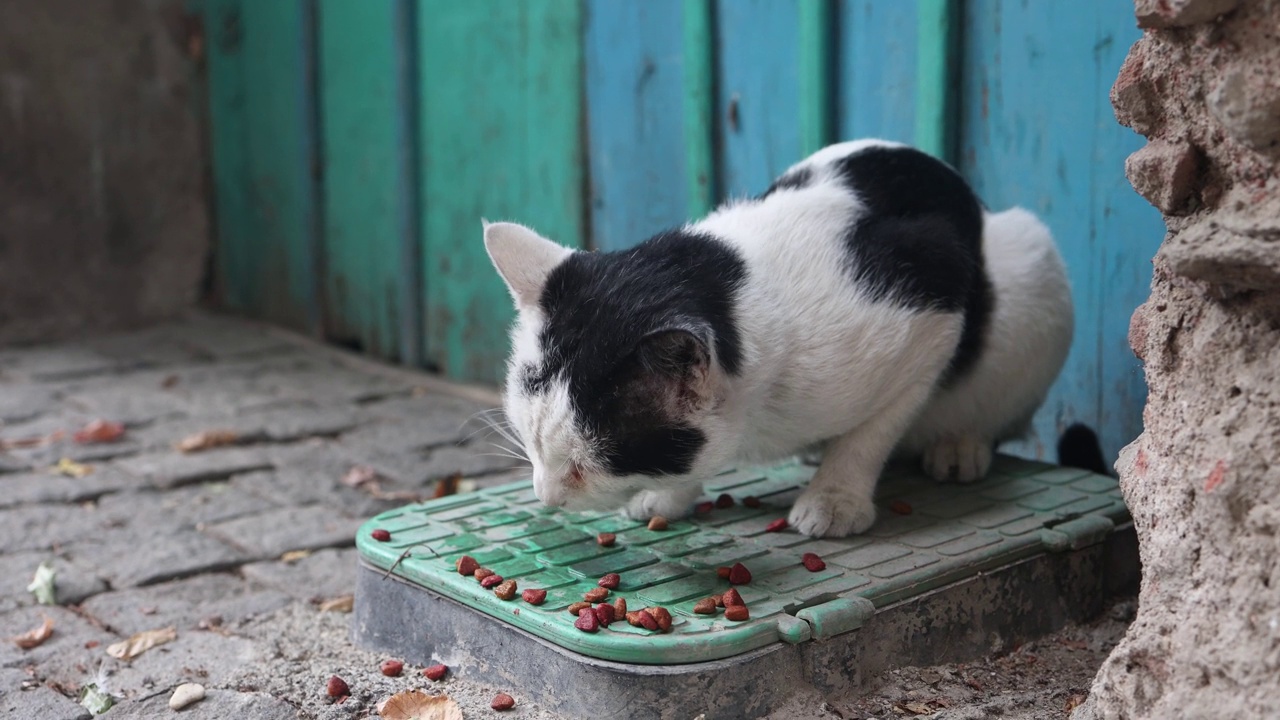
column 491, row 581
column 705, row 606
column 731, row 598
column 502, row 701
column 737, row 613
column 534, row 597
column 436, row 672
column 703, row 508
column 604, row 613
column 576, row 607
column 662, row 616
column 724, row 501
column 391, row 668
column 722, row 573
column 482, row 573
column 812, row 562
column 751, row 501
column 467, row 565
column 606, row 539
column 596, row 594
column 619, row 608
column 381, row 535
column 776, row 526
column 633, row 618
column 337, row 687
column 739, row 574
column 657, row 522
column 647, row 620
column 719, row 600
column 587, row 620
column 506, row 590
column 610, row 581
column 900, row 507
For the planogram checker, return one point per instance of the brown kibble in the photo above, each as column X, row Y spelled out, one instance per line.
column 467, row 565
column 661, row 615
column 705, row 606
column 776, row 526
column 482, row 573
column 502, row 701
column 731, row 598
column 647, row 620
column 751, row 501
column 575, row 607
column 505, row 590
column 610, row 581
column 812, row 562
column 619, row 608
column 633, row 618
column 703, row 508
column 719, row 600
column 381, row 535
column 737, row 613
column 900, row 507
column 604, row 613
column 596, row 594
column 391, row 668
column 722, row 573
column 587, row 620
column 606, row 539
column 337, row 687
column 724, row 501
column 657, row 522
column 491, row 581
column 534, row 597
column 436, row 672
column 739, row 574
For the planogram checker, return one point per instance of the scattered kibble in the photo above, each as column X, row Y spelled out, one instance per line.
column 657, row 522
column 534, row 597
column 647, row 620
column 722, row 573
column 719, row 600
column 502, row 701
column 604, row 613
column 587, row 620
column 731, row 598
column 705, row 606
column 606, row 539
column 776, row 526
column 751, row 501
column 466, row 565
column 900, row 507
column 436, row 672
column 391, row 668
column 633, row 618
column 703, row 508
column 812, row 562
column 596, row 594
column 737, row 613
column 576, row 607
column 482, row 573
column 724, row 501
column 739, row 574
column 381, row 535
column 491, row 581
column 337, row 687
column 610, row 581
column 505, row 590
column 662, row 616
column 619, row 608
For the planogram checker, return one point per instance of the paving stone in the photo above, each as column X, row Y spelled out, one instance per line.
column 323, row 574
column 41, row 527
column 133, row 557
column 421, row 468
column 226, row 337
column 126, row 399
column 43, row 486
column 173, row 469
column 11, row 464
column 73, row 581
column 22, row 697
column 217, row 705
column 58, row 431
column 323, row 380
column 184, row 603
column 183, row 509
column 273, row 533
column 23, row 401
column 70, row 634
column 436, row 413
column 296, row 487
column 58, row 362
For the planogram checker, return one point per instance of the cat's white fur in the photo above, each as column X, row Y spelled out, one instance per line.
column 821, row 360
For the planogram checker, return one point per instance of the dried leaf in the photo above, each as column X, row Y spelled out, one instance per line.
column 207, row 439
column 36, row 637
column 359, row 476
column 295, row 555
column 417, row 705
column 94, row 700
column 32, row 442
column 918, row 708
column 141, row 642
column 1074, row 702
column 342, row 603
column 71, row 468
column 42, row 585
column 99, row 431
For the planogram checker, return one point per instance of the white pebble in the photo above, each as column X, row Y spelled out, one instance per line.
column 186, row 694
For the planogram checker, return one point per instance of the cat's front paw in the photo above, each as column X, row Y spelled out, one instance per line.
column 826, row 514
column 958, row 459
column 670, row 504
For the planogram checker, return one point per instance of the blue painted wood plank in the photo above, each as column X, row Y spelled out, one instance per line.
column 1038, row 131
column 634, row 90
column 702, row 181
column 877, row 56
column 758, row 97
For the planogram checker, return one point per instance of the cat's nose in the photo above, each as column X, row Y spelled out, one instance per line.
column 549, row 495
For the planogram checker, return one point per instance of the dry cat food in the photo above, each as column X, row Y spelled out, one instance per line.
column 644, row 619
column 812, row 562
column 620, row 608
column 391, row 668
column 587, row 620
column 467, row 565
column 736, row 613
column 610, row 581
column 731, row 598
column 724, row 501
column 505, row 590
column 751, row 501
column 723, row 572
column 337, row 687
column 596, row 594
column 703, row 508
column 776, row 526
column 900, row 507
column 490, row 581
column 606, row 539
column 705, row 606
column 739, row 574
column 657, row 522
column 381, row 535
column 534, row 597
column 575, row 607
column 436, row 672
column 604, row 613
column 482, row 573
column 662, row 616
column 502, row 701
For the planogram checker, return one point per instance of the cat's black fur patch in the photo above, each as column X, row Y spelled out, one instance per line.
column 794, row 180
column 921, row 239
column 600, row 307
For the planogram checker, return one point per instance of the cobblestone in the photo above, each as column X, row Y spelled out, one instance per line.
column 23, row 697
column 323, row 574
column 184, row 604
column 172, row 469
column 217, row 705
column 273, row 533
column 73, row 581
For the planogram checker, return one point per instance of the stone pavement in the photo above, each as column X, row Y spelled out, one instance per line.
column 153, row 538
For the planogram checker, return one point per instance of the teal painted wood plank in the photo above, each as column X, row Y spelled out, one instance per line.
column 501, row 135
column 937, row 77
column 634, row 84
column 877, row 60
column 1038, row 131
column 817, row 38
column 365, row 195
column 758, row 96
column 699, row 108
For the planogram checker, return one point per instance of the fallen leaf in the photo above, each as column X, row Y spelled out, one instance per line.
column 71, row 468
column 141, row 642
column 918, row 708
column 207, row 439
column 42, row 585
column 94, row 700
column 417, row 705
column 342, row 603
column 32, row 442
column 1074, row 702
column 359, row 476
column 295, row 555
column 99, row 431
column 36, row 637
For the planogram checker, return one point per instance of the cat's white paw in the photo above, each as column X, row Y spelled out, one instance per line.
column 670, row 504
column 825, row 514
column 958, row 459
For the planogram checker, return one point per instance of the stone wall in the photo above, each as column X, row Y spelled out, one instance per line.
column 1203, row 479
column 103, row 219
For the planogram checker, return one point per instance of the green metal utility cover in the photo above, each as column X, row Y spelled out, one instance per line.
column 928, row 535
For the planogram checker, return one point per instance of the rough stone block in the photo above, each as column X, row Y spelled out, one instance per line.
column 1247, row 105
column 25, row 401
column 183, row 509
column 1165, row 173
column 128, row 400
column 271, row 534
column 22, row 697
column 184, row 603
column 132, row 557
column 73, row 581
column 1132, row 95
column 70, row 635
column 1180, row 13
column 323, row 574
column 174, row 469
column 41, row 527
column 217, row 705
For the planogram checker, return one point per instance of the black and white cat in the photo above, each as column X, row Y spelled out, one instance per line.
column 867, row 300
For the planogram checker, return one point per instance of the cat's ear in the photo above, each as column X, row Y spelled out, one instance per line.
column 523, row 258
column 677, row 364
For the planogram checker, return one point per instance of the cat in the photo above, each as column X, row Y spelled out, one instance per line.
column 867, row 300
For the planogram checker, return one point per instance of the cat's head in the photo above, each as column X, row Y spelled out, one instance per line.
column 616, row 372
